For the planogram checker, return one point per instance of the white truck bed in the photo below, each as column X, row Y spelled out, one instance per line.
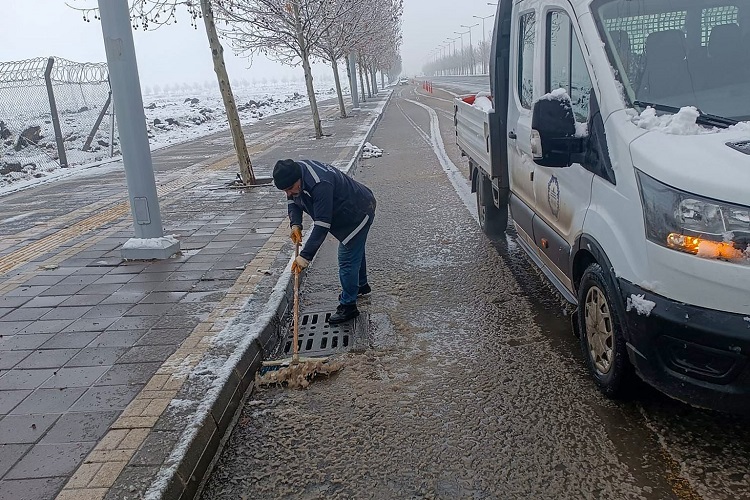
column 472, row 132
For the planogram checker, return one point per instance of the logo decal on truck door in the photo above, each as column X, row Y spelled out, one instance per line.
column 553, row 196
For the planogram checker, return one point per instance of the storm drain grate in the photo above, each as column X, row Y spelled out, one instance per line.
column 317, row 337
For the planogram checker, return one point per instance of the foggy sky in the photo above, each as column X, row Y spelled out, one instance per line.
column 178, row 53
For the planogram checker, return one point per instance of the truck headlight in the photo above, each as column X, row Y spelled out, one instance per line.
column 689, row 223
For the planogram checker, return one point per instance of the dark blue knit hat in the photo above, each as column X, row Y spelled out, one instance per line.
column 286, row 173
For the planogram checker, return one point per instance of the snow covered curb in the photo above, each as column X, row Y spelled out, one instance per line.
column 216, row 388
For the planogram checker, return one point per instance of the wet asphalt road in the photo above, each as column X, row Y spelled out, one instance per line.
column 472, row 384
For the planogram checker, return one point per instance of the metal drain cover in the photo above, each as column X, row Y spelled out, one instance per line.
column 317, row 337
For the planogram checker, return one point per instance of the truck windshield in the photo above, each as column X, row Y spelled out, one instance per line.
column 680, row 53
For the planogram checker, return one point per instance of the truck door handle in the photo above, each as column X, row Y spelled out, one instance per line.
column 512, row 135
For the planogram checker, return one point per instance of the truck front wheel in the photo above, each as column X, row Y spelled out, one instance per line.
column 492, row 220
column 601, row 332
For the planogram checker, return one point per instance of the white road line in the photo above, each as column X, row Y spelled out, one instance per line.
column 460, row 184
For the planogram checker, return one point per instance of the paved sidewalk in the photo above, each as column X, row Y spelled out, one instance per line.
column 118, row 379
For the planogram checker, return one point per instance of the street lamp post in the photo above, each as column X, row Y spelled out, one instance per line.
column 471, row 47
column 485, row 59
column 462, row 49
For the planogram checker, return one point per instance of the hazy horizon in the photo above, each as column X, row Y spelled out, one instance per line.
column 178, row 53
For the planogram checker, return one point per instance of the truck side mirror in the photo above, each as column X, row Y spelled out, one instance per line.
column 553, row 133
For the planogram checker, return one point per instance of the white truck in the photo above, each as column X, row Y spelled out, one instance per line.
column 619, row 141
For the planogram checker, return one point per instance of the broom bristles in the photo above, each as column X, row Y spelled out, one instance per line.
column 298, row 375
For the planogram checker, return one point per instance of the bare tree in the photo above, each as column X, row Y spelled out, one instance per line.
column 152, row 14
column 289, row 31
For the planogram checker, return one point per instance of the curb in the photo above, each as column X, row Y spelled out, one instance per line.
column 192, row 463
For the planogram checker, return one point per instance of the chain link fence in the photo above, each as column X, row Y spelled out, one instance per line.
column 53, row 113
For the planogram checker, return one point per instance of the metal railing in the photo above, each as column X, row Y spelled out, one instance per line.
column 52, row 114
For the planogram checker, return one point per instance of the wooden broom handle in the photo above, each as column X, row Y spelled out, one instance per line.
column 295, row 319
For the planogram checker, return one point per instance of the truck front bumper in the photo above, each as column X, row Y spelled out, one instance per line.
column 694, row 354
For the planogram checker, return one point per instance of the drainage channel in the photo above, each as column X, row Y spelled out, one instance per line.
column 318, row 337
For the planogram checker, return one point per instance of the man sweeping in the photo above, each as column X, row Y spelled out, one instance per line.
column 337, row 204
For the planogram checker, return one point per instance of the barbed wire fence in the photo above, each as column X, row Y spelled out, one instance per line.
column 54, row 113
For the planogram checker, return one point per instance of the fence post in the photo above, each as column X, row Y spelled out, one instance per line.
column 55, row 117
column 90, row 138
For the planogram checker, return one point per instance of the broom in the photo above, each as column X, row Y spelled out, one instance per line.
column 295, row 371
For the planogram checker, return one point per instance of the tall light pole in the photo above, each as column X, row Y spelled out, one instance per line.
column 462, row 49
column 471, row 47
column 485, row 59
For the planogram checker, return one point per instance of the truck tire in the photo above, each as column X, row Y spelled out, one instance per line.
column 601, row 332
column 492, row 220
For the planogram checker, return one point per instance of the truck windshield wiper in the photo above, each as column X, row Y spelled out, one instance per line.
column 703, row 118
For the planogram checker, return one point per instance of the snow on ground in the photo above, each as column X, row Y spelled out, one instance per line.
column 170, row 119
column 370, row 151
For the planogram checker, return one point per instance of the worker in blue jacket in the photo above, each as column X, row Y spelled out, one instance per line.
column 337, row 204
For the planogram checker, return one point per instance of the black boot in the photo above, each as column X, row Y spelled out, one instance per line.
column 364, row 290
column 344, row 313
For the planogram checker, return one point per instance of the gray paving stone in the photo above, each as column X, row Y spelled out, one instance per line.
column 9, row 359
column 70, row 340
column 120, row 297
column 29, row 291
column 31, row 489
column 76, row 427
column 51, row 301
column 49, row 401
column 151, row 353
column 9, row 399
column 142, row 310
column 50, row 460
column 12, row 327
column 20, row 342
column 133, row 323
column 5, row 310
column 143, row 288
column 107, row 311
column 60, row 289
column 175, row 286
column 13, row 302
column 163, row 297
column 27, row 313
column 100, row 289
column 46, row 326
column 186, row 323
column 84, row 376
column 49, row 358
column 63, row 312
column 106, row 398
column 117, row 338
column 83, row 277
column 24, row 379
column 163, row 336
column 90, row 325
column 9, row 455
column 45, row 279
column 151, row 277
column 84, row 300
column 17, row 429
column 109, row 279
column 130, row 373
column 97, row 356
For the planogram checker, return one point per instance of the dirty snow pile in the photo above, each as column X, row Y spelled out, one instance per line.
column 640, row 305
column 30, row 151
column 371, row 151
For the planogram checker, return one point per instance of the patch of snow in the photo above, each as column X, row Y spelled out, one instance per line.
column 747, row 318
column 681, row 123
column 556, row 95
column 370, row 151
column 719, row 250
column 582, row 129
column 150, row 243
column 170, row 119
column 484, row 103
column 640, row 304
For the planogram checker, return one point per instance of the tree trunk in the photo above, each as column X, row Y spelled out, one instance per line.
column 382, row 79
column 374, row 81
column 362, row 81
column 238, row 137
column 367, row 80
column 308, row 73
column 336, row 78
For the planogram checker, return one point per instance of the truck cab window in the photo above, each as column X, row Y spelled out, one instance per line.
column 526, row 36
column 566, row 67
